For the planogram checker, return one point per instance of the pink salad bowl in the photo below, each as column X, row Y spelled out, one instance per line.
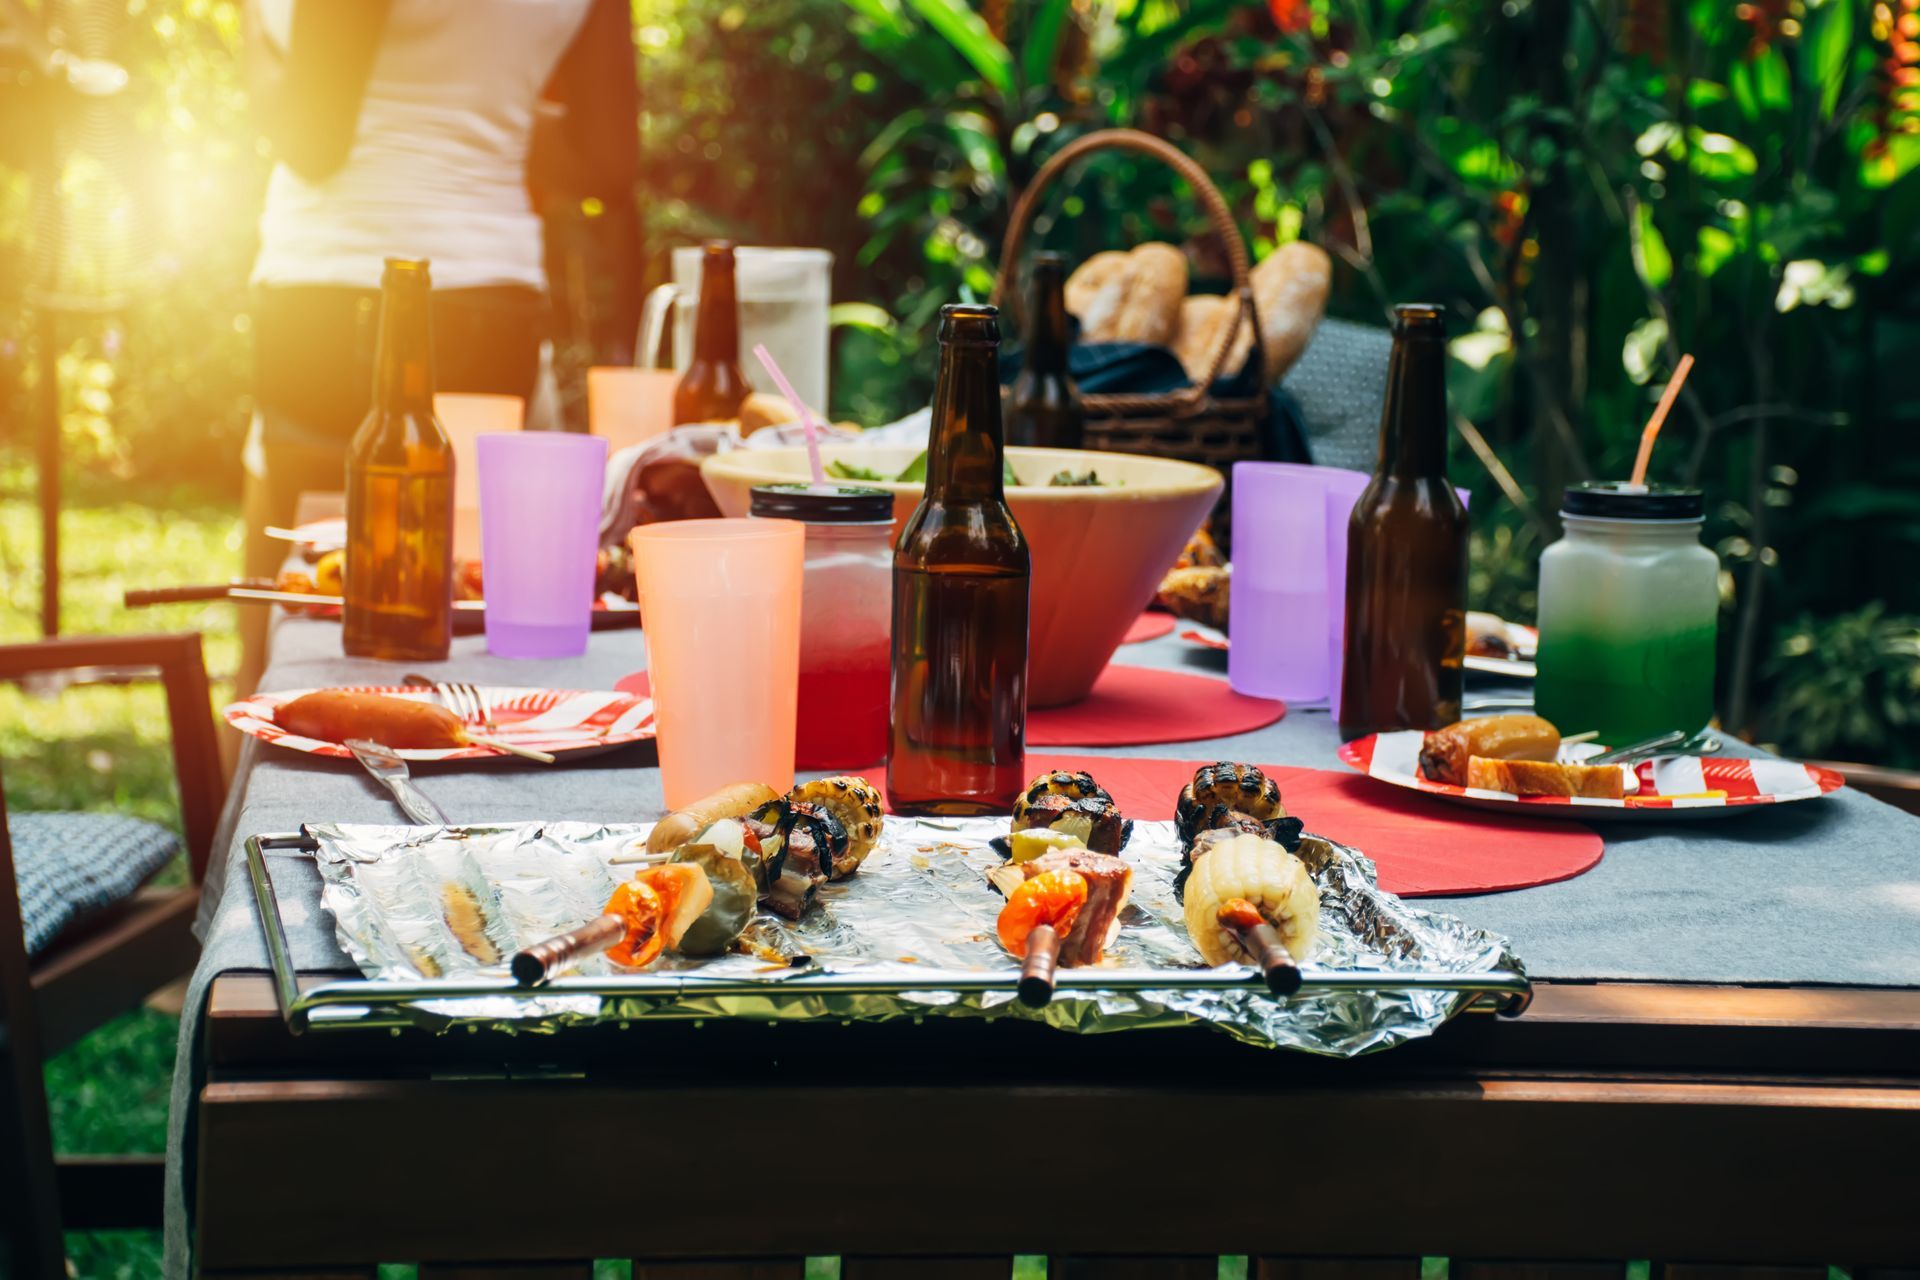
column 1098, row 552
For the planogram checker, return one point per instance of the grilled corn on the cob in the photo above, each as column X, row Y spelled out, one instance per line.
column 1266, row 875
column 1220, row 792
column 856, row 805
column 1072, row 803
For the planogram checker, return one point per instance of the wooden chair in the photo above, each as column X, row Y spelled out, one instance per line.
column 1898, row 787
column 91, row 961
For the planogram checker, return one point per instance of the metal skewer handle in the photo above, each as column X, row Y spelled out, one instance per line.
column 1036, row 972
column 1262, row 943
column 542, row 960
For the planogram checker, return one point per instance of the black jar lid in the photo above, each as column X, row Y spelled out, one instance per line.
column 1618, row 500
column 821, row 503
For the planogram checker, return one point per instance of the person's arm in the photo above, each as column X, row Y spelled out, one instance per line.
column 586, row 143
column 587, row 136
column 307, row 101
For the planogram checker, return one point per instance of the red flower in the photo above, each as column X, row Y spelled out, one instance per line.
column 1291, row 16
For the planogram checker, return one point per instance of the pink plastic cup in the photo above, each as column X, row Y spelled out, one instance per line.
column 540, row 499
column 627, row 406
column 467, row 417
column 720, row 601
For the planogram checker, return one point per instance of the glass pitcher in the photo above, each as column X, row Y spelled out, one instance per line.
column 784, row 295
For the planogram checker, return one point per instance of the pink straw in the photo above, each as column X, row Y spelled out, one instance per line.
column 806, row 414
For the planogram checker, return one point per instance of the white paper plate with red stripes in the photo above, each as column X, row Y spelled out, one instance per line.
column 560, row 721
column 1525, row 640
column 1673, row 787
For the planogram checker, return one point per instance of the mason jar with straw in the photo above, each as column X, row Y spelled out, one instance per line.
column 1629, row 606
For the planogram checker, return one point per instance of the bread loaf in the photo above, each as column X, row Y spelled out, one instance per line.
column 1290, row 289
column 764, row 409
column 1203, row 318
column 1543, row 778
column 1093, row 293
column 1129, row 297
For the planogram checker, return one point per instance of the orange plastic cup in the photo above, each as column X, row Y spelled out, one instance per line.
column 626, row 406
column 720, row 604
column 467, row 417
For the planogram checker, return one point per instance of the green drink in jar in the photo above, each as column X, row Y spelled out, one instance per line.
column 1629, row 611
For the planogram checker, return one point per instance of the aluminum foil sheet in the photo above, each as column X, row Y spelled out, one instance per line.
column 413, row 903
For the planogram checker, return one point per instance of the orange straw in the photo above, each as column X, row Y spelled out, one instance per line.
column 1667, row 398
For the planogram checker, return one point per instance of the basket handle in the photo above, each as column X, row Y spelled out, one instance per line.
column 1218, row 214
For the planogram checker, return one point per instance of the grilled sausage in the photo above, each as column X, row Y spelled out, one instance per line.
column 736, row 801
column 334, row 715
column 1444, row 754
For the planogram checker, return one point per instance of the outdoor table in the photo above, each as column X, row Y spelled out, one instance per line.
column 1721, row 1065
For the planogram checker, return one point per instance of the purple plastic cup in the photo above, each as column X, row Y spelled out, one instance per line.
column 540, row 500
column 1283, row 606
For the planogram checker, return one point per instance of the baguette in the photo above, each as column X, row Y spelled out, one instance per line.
column 1157, row 282
column 1094, row 291
column 1129, row 297
column 1544, row 778
column 1202, row 317
column 1290, row 289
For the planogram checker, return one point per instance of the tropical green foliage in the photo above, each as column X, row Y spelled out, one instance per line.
column 1593, row 189
column 1848, row 687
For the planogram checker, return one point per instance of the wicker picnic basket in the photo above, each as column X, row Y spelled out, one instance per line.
column 1191, row 424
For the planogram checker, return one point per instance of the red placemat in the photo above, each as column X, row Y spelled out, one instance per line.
column 1422, row 848
column 1148, row 626
column 1135, row 706
column 1129, row 706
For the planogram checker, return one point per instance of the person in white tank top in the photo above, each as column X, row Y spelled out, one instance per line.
column 407, row 127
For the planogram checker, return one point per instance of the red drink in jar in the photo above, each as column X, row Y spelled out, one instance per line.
column 846, row 610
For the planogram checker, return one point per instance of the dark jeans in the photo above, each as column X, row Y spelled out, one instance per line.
column 313, row 360
column 314, row 346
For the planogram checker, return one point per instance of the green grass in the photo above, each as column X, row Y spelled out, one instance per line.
column 106, row 748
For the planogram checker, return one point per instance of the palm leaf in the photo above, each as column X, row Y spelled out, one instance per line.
column 1042, row 44
column 967, row 33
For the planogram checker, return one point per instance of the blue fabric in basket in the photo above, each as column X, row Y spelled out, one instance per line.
column 68, row 864
column 1140, row 369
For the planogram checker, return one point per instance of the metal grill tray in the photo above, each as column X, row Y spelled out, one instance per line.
column 909, row 936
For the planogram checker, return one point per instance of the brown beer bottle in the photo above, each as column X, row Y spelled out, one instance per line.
column 960, row 599
column 1044, row 402
column 1406, row 632
column 399, row 570
column 712, row 389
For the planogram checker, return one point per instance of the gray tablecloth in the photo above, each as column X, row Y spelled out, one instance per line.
column 1826, row 891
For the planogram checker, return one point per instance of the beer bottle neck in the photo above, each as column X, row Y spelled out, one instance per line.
column 716, row 335
column 1413, row 423
column 403, row 379
column 1047, row 322
column 968, row 446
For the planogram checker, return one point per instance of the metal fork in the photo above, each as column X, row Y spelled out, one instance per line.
column 460, row 697
column 1677, row 743
column 465, row 701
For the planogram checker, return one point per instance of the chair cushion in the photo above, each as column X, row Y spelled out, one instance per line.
column 1340, row 382
column 68, row 864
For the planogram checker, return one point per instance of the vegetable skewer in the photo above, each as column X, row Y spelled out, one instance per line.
column 645, row 916
column 1039, row 916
